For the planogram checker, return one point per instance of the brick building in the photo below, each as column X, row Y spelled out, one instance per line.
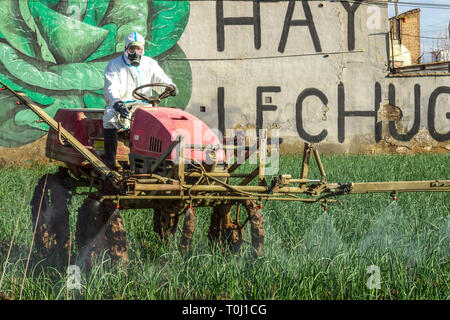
column 405, row 38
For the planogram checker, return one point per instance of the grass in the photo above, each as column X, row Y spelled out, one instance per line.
column 308, row 254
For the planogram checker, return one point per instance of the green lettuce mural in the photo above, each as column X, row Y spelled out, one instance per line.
column 56, row 52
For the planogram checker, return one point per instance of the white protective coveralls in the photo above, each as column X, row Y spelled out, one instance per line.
column 121, row 78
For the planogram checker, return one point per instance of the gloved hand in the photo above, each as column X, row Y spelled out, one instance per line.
column 173, row 92
column 120, row 107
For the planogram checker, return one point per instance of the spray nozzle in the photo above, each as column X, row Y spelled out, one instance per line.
column 394, row 195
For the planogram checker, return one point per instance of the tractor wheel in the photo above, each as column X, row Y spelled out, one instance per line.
column 88, row 232
column 257, row 226
column 190, row 220
column 100, row 227
column 165, row 223
column 87, row 222
column 50, row 217
column 215, row 227
column 223, row 230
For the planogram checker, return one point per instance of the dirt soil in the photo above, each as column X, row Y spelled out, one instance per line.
column 25, row 155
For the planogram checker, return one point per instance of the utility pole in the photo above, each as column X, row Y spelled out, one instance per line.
column 397, row 34
column 397, row 21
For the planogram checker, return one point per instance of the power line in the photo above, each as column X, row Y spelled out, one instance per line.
column 425, row 37
column 434, row 28
column 444, row 30
column 363, row 2
column 324, row 54
column 444, row 24
column 403, row 4
column 423, row 4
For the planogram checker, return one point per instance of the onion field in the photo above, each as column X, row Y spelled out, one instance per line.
column 367, row 247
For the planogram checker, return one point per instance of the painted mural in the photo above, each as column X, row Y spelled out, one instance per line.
column 56, row 52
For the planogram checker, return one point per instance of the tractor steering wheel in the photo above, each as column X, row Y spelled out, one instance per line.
column 152, row 99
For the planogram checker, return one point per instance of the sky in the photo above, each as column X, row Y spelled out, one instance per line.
column 434, row 21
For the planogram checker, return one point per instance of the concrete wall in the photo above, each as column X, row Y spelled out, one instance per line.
column 326, row 93
column 317, row 71
column 402, row 56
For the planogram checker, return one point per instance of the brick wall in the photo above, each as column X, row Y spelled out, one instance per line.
column 409, row 32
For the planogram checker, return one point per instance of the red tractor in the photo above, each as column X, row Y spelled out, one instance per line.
column 147, row 154
column 171, row 162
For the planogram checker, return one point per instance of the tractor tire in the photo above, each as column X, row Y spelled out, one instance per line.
column 189, row 223
column 223, row 230
column 214, row 230
column 165, row 223
column 89, row 232
column 100, row 227
column 257, row 230
column 50, row 217
column 257, row 226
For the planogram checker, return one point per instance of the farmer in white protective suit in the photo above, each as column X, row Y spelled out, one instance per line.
column 122, row 75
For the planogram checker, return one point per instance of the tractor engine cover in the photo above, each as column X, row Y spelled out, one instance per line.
column 86, row 125
column 154, row 129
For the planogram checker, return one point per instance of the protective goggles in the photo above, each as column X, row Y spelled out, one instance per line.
column 133, row 48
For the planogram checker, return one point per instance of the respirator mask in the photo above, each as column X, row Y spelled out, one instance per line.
column 134, row 55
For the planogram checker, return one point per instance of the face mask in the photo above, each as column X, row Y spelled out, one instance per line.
column 135, row 57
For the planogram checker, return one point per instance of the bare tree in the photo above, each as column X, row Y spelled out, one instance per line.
column 441, row 46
